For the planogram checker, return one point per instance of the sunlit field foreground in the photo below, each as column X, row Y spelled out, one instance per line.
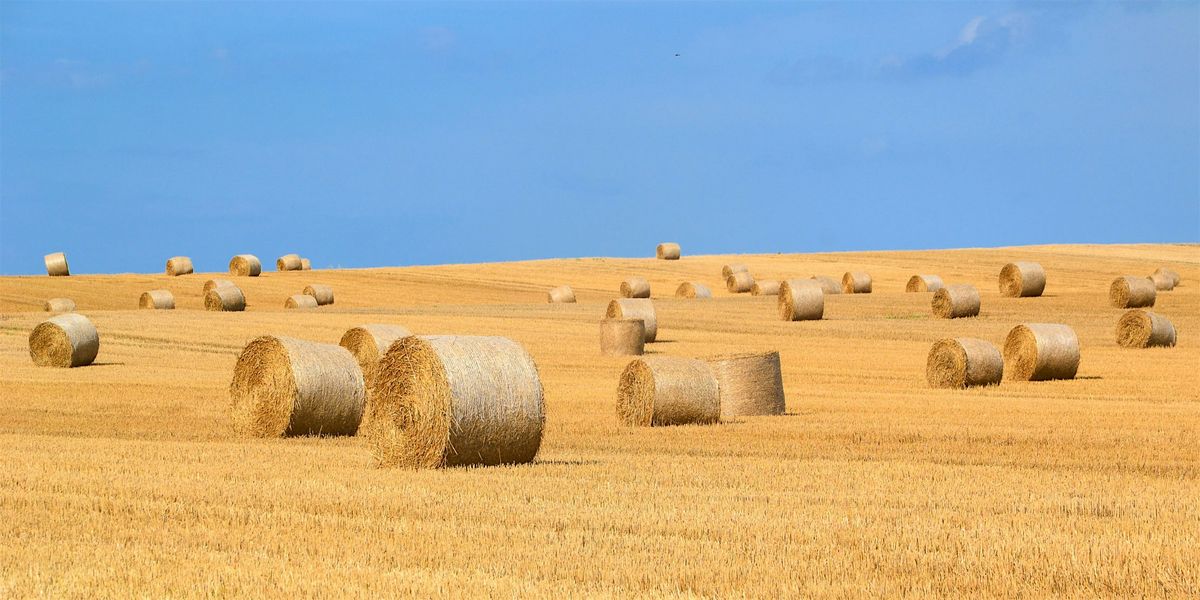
column 124, row 478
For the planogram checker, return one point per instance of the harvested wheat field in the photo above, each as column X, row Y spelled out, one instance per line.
column 125, row 477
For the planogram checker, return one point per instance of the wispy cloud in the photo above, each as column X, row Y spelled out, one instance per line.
column 982, row 42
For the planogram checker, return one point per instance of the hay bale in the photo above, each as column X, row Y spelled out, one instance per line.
column 667, row 251
column 765, row 287
column 1164, row 271
column 730, row 269
column 59, row 305
column 368, row 343
column 963, row 362
column 225, row 298
column 1142, row 328
column 67, row 340
column 444, row 401
column 245, row 265
column 956, row 301
column 288, row 262
column 179, row 265
column 300, row 301
column 739, row 282
column 212, row 283
column 305, row 264
column 562, row 294
column 1041, row 351
column 856, row 282
column 668, row 390
column 622, row 337
column 692, row 289
column 285, row 387
column 56, row 265
column 1162, row 281
column 1132, row 292
column 828, row 285
column 323, row 293
column 1022, row 280
column 924, row 283
column 635, row 308
column 635, row 287
column 801, row 300
column 157, row 300
column 749, row 384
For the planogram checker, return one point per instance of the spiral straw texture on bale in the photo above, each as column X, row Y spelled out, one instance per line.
column 668, row 390
column 1132, row 292
column 955, row 301
column 443, row 401
column 323, row 293
column 1169, row 273
column 693, row 289
column 225, row 298
column 749, row 384
column 963, row 362
column 667, row 251
column 288, row 262
column 801, row 300
column 1162, row 281
column 622, row 337
column 56, row 265
column 212, row 283
column 245, row 265
column 924, row 283
column 179, row 265
column 157, row 300
column 562, row 294
column 730, row 269
column 635, row 287
column 828, row 285
column 739, row 282
column 300, row 301
column 288, row 387
column 59, row 305
column 856, row 282
column 765, row 287
column 67, row 340
column 1142, row 329
column 305, row 264
column 1041, row 351
column 1022, row 280
column 635, row 308
column 368, row 343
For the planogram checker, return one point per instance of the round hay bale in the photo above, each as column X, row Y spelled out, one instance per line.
column 300, row 301
column 323, row 293
column 305, row 264
column 635, row 287
column 1041, row 351
column 1162, row 281
column 828, row 285
column 443, row 401
column 622, row 337
column 765, row 287
column 562, row 294
column 956, row 301
column 730, row 269
column 856, row 282
column 245, row 265
column 749, row 384
column 1022, row 280
column 739, row 282
column 59, row 305
column 692, row 289
column 370, row 342
column 667, row 251
column 67, row 340
column 1132, row 292
column 157, row 300
column 285, row 387
column 212, row 283
column 963, row 362
column 179, row 265
column 1142, row 328
column 288, row 262
column 635, row 308
column 225, row 298
column 56, row 265
column 924, row 283
column 1164, row 271
column 801, row 300
column 668, row 390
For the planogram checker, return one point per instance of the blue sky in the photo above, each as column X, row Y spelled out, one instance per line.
column 377, row 134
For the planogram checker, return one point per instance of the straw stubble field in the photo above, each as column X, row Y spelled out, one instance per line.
column 124, row 478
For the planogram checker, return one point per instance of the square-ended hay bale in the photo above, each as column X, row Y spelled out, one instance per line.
column 856, row 282
column 692, row 289
column 956, row 301
column 56, row 264
column 323, row 293
column 1132, row 292
column 1022, row 280
column 635, row 308
column 179, row 265
column 1143, row 329
column 59, row 305
column 1041, row 351
column 765, row 287
column 67, row 340
column 157, row 300
column 924, row 283
column 562, row 294
column 635, row 287
column 245, row 265
column 300, row 301
column 801, row 300
column 739, row 282
column 622, row 337
column 749, row 384
column 668, row 390
column 667, row 251
column 963, row 362
column 225, row 298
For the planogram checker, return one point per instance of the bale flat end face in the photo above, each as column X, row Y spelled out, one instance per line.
column 1144, row 329
column 963, row 362
column 635, row 395
column 263, row 391
column 1041, row 352
column 410, row 411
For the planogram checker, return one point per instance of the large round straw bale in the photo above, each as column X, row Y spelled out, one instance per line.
column 56, row 265
column 300, row 301
column 1041, row 351
column 856, row 282
column 635, row 287
column 59, row 305
column 730, row 269
column 245, row 265
column 1142, row 328
column 1132, row 292
column 445, row 401
column 924, row 283
column 561, row 294
column 668, row 390
column 157, row 299
column 622, row 337
column 635, row 308
column 693, row 289
column 287, row 387
column 801, row 300
column 739, row 282
column 179, row 265
column 963, row 362
column 955, row 301
column 370, row 342
column 305, row 264
column 225, row 297
column 323, row 293
column 288, row 262
column 765, row 287
column 212, row 283
column 828, row 285
column 1169, row 273
column 749, row 384
column 1022, row 280
column 67, row 340
column 1162, row 281
column 667, row 251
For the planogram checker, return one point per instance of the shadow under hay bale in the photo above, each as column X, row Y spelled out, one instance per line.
column 924, row 283
column 667, row 251
column 1041, row 351
column 693, row 289
column 562, row 294
column 64, row 341
column 668, row 390
column 1022, row 280
column 56, row 265
column 1132, row 292
column 622, row 337
column 635, row 308
column 956, row 301
column 635, row 287
column 1143, row 329
column 157, row 300
column 963, row 362
column 801, row 300
column 245, row 265
column 749, row 384
column 179, row 265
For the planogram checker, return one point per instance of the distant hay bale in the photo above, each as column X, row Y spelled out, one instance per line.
column 730, row 269
column 668, row 390
column 59, row 305
column 368, row 343
column 443, row 401
column 856, row 282
column 225, row 298
column 749, row 384
column 157, row 300
column 67, row 340
column 667, row 251
column 801, row 300
column 1132, row 292
column 828, row 285
column 288, row 262
column 622, row 337
column 323, row 293
column 562, row 294
column 212, row 283
column 1022, row 280
column 305, row 264
column 56, row 265
column 693, row 289
column 963, row 362
column 245, row 265
column 1041, row 351
column 739, row 282
column 956, row 301
column 179, row 265
column 635, row 308
column 1142, row 329
column 924, row 283
column 300, row 301
column 285, row 387
column 1169, row 273
column 1162, row 281
column 635, row 287
column 765, row 287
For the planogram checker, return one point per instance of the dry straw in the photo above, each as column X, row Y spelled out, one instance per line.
column 305, row 264
column 766, row 287
column 1168, row 273
column 368, row 343
column 226, row 298
column 179, row 265
column 667, row 251
column 955, row 301
column 730, row 269
column 561, row 294
column 323, row 293
column 749, row 384
column 1041, row 351
column 245, row 265
column 635, row 308
column 801, row 300
column 622, row 337
column 300, row 301
column 963, row 362
column 739, row 282
column 288, row 387
column 856, row 282
column 444, row 401
column 67, row 340
column 59, row 305
column 924, row 283
column 56, row 265
column 828, row 285
column 1132, row 292
column 213, row 283
column 668, row 390
column 1142, row 328
column 693, row 289
column 157, row 300
column 288, row 262
column 635, row 287
column 1022, row 280
column 1162, row 281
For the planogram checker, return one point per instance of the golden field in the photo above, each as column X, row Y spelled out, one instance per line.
column 124, row 479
